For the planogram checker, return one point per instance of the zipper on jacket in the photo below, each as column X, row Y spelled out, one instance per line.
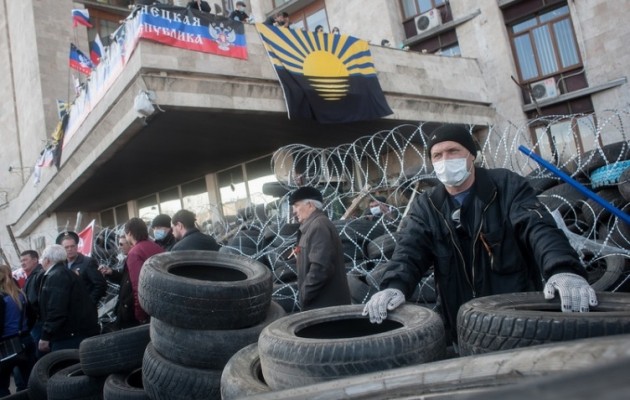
column 459, row 251
column 475, row 241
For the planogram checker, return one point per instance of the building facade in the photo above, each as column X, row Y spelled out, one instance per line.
column 209, row 146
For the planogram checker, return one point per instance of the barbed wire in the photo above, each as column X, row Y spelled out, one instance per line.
column 395, row 164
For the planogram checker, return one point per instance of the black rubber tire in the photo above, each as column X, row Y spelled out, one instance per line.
column 46, row 367
column 605, row 155
column 562, row 197
column 72, row 383
column 624, row 185
column 543, row 183
column 358, row 230
column 207, row 349
column 333, row 342
column 360, row 290
column 126, row 386
column 163, row 379
column 593, row 213
column 205, row 289
column 603, row 271
column 381, row 247
column 286, row 295
column 510, row 321
column 620, row 231
column 245, row 242
column 242, row 375
column 118, row 351
column 457, row 378
column 21, row 395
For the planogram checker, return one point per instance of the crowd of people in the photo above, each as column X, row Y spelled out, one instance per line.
column 483, row 231
column 53, row 303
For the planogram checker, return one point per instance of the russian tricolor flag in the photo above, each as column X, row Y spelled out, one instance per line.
column 81, row 17
column 96, row 50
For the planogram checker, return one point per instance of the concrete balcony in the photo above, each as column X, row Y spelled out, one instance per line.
column 218, row 112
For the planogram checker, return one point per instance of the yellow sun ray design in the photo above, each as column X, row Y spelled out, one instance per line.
column 325, row 60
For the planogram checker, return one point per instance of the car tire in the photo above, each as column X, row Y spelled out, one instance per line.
column 205, row 289
column 242, row 375
column 509, row 321
column 206, row 349
column 333, row 342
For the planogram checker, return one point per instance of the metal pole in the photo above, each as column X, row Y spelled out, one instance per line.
column 623, row 216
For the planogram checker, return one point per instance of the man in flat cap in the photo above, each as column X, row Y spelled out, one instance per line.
column 322, row 280
column 84, row 266
column 485, row 233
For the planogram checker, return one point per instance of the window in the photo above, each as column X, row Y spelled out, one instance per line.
column 148, row 207
column 310, row 16
column 450, row 51
column 411, row 8
column 559, row 141
column 169, row 201
column 545, row 44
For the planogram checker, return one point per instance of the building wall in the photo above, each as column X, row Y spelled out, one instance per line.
column 485, row 39
column 603, row 35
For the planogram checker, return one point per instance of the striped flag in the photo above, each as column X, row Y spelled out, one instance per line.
column 79, row 61
column 81, row 16
column 329, row 78
column 96, row 50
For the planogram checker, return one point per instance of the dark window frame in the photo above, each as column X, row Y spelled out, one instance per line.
column 554, row 42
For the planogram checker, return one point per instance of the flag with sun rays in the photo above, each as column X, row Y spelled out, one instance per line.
column 329, row 78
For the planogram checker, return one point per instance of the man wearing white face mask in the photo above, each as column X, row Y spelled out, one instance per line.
column 162, row 232
column 485, row 233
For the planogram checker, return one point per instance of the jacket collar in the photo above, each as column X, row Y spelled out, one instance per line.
column 310, row 219
column 484, row 189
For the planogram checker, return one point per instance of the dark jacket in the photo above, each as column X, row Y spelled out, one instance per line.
column 31, row 288
column 238, row 15
column 124, row 305
column 513, row 243
column 94, row 281
column 168, row 242
column 322, row 277
column 195, row 240
column 65, row 306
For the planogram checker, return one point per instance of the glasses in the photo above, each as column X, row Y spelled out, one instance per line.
column 121, row 244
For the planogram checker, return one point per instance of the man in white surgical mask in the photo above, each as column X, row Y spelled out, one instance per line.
column 485, row 233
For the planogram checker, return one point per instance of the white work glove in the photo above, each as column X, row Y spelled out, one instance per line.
column 575, row 292
column 386, row 299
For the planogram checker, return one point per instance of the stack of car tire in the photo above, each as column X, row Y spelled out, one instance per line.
column 205, row 307
column 105, row 366
column 605, row 171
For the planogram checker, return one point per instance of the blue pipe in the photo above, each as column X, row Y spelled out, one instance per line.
column 623, row 216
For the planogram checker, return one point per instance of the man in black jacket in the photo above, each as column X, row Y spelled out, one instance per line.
column 188, row 236
column 84, row 266
column 29, row 260
column 485, row 233
column 162, row 232
column 68, row 316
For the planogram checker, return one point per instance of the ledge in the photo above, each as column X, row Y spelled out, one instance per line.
column 439, row 29
column 576, row 94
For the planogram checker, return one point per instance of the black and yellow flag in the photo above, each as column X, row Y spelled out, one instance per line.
column 326, row 77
